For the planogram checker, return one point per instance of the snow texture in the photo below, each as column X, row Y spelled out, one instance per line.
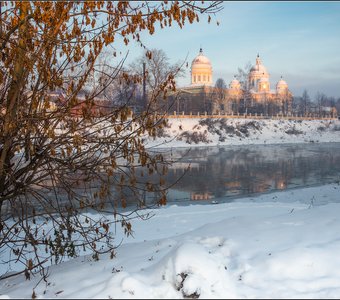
column 279, row 245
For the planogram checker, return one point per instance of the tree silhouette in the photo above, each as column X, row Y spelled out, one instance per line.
column 65, row 148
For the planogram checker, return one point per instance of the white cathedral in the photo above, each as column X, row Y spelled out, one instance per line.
column 258, row 77
column 255, row 96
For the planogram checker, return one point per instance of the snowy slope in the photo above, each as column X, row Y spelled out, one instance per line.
column 272, row 246
column 189, row 132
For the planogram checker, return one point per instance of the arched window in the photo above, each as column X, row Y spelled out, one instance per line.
column 199, row 78
column 208, row 78
column 194, row 78
column 203, row 77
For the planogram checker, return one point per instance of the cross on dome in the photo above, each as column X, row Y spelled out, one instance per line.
column 258, row 60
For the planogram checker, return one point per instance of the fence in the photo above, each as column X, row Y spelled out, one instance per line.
column 252, row 116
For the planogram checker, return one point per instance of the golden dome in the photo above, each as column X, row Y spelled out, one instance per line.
column 234, row 84
column 281, row 83
column 281, row 86
column 259, row 69
column 201, row 59
column 256, row 74
column 201, row 70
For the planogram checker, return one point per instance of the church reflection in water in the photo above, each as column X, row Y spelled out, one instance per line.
column 217, row 172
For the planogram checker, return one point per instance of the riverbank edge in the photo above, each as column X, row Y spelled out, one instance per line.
column 207, row 132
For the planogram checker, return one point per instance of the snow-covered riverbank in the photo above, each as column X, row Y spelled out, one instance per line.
column 280, row 245
column 189, row 132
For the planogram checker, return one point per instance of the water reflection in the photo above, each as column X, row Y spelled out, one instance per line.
column 228, row 172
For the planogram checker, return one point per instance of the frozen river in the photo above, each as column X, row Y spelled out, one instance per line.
column 224, row 174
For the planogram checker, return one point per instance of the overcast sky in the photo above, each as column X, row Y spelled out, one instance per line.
column 298, row 40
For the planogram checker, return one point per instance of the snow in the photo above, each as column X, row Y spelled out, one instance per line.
column 271, row 246
column 277, row 245
column 260, row 131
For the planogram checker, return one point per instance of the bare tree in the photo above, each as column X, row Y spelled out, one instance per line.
column 320, row 99
column 305, row 102
column 60, row 152
column 242, row 75
column 220, row 84
column 158, row 69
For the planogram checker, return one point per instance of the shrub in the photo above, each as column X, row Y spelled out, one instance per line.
column 195, row 137
column 293, row 130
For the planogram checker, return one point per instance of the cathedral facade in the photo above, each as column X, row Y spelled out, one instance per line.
column 254, row 95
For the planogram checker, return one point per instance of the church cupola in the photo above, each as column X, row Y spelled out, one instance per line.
column 257, row 72
column 201, row 70
column 281, row 86
column 235, row 84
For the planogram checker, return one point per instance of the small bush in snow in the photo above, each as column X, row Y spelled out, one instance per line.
column 194, row 137
column 293, row 130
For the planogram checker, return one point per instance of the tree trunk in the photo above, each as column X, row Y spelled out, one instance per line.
column 17, row 82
